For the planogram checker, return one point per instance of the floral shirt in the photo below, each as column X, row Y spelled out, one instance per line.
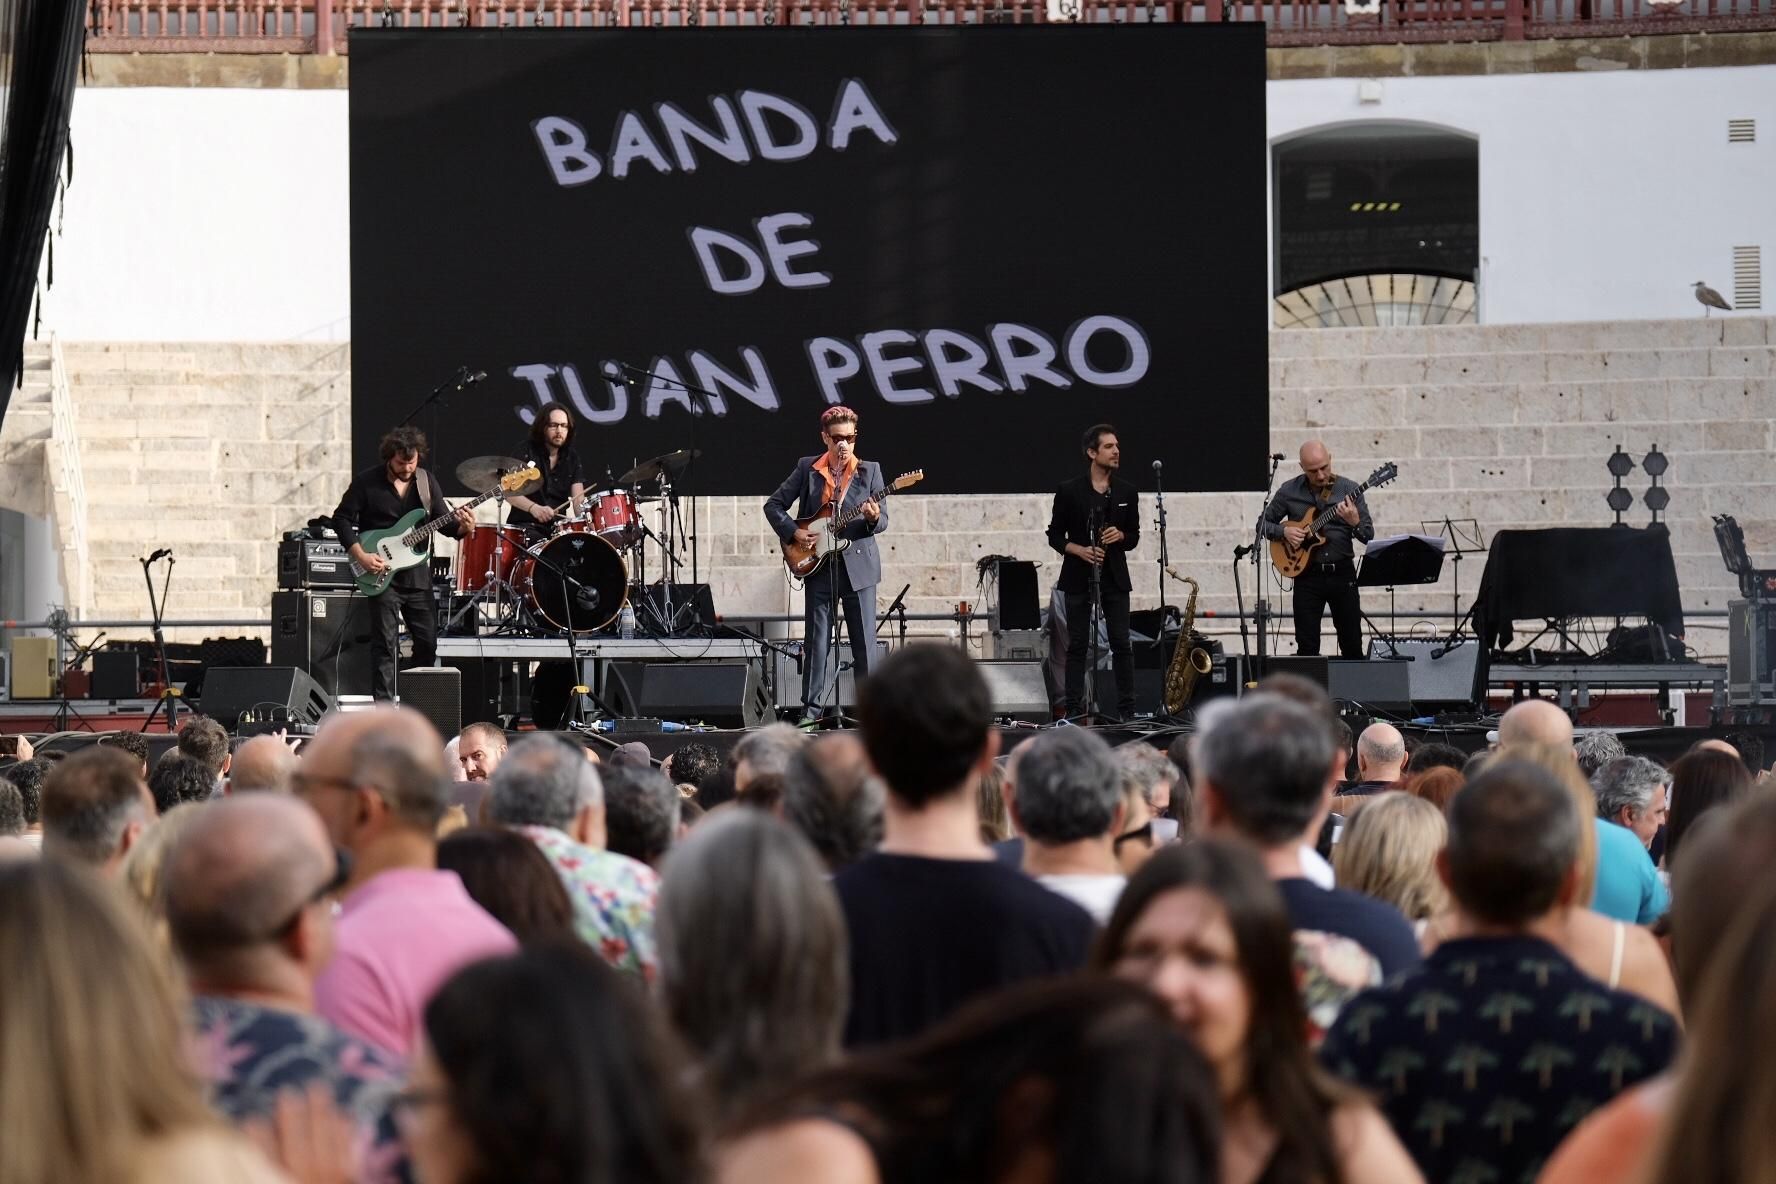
column 613, row 898
column 1330, row 970
column 249, row 1054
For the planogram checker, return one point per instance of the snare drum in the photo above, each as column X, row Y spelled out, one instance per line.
column 615, row 518
column 475, row 555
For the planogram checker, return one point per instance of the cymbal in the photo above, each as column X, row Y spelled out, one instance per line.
column 670, row 464
column 483, row 473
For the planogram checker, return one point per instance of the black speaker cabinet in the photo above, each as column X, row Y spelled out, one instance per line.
column 327, row 634
column 116, row 674
column 268, row 692
column 725, row 694
column 436, row 693
column 1019, row 689
column 1020, row 607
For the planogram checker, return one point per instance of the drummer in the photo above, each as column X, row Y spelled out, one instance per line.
column 551, row 447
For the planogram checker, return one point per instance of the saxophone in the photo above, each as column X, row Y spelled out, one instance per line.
column 1189, row 661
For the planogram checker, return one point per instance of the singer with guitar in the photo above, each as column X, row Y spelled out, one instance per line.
column 835, row 478
column 376, row 499
column 1329, row 578
column 1103, row 503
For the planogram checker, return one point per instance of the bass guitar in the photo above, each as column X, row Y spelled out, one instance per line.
column 409, row 541
column 803, row 560
column 1292, row 561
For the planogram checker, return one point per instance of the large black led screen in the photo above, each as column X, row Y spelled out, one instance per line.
column 982, row 239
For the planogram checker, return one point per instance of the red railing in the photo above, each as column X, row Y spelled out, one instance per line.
column 323, row 26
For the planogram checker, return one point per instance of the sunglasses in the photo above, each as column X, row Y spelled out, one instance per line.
column 838, row 439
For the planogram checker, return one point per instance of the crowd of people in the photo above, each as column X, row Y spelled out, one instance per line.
column 1273, row 952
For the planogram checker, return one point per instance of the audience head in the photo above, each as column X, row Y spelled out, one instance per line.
column 28, row 777
column 693, row 763
column 1154, row 774
column 1085, row 1076
column 1389, row 851
column 1700, row 781
column 1631, row 793
column 205, row 741
column 1436, row 785
column 832, row 796
column 246, row 892
column 374, row 776
column 1536, row 721
column 753, row 954
column 548, row 1065
column 1381, row 753
column 95, row 807
column 989, row 798
column 633, row 755
column 927, row 723
column 92, row 1060
column 763, row 792
column 1203, row 927
column 509, row 876
column 641, row 811
column 1513, row 849
column 1068, row 789
column 12, row 810
column 1594, row 750
column 264, row 764
column 133, row 743
column 1262, row 767
column 766, row 751
column 1435, row 756
column 479, row 748
column 1178, row 752
column 1726, row 861
column 544, row 781
column 1558, row 761
column 716, row 789
column 179, row 778
column 143, row 870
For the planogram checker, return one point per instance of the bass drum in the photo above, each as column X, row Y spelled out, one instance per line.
column 594, row 589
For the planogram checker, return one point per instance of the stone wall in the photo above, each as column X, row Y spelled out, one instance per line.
column 215, row 449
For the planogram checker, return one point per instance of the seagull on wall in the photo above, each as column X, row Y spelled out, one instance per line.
column 1710, row 299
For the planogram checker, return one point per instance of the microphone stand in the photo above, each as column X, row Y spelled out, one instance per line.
column 624, row 368
column 167, row 694
column 1254, row 671
column 569, row 586
column 1164, row 560
column 1094, row 531
column 899, row 606
column 438, row 397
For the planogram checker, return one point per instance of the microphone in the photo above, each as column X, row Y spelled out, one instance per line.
column 470, row 379
column 1157, row 466
column 1276, row 456
column 614, row 372
column 160, row 554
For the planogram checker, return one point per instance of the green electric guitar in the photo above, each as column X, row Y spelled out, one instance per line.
column 409, row 541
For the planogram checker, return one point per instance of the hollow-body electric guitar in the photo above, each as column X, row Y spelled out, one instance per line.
column 804, row 560
column 1292, row 561
column 409, row 541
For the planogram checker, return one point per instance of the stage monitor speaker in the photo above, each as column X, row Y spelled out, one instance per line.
column 33, row 667
column 1020, row 607
column 724, row 694
column 327, row 634
column 1435, row 680
column 1019, row 689
column 789, row 676
column 1376, row 684
column 267, row 692
column 697, row 596
column 117, row 674
column 436, row 693
column 1313, row 669
column 1227, row 679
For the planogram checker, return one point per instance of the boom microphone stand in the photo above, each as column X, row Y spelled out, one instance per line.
column 168, row 696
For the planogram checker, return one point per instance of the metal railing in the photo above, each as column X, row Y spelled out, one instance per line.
column 323, row 26
column 67, row 491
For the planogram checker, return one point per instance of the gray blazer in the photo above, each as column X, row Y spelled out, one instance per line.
column 805, row 488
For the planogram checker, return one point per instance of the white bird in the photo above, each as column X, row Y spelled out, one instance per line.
column 1710, row 299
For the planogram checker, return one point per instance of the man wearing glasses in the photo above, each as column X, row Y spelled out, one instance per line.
column 835, row 478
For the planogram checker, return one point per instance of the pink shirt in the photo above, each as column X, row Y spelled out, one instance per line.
column 398, row 938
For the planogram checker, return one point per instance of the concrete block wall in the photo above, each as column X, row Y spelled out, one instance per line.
column 216, row 449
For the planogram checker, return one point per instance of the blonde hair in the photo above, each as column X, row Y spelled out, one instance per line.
column 1559, row 760
column 147, row 857
column 995, row 823
column 92, row 1064
column 1389, row 851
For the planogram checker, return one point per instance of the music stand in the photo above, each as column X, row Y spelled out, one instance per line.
column 1399, row 559
column 1463, row 538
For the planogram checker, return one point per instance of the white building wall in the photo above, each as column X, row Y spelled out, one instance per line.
column 206, row 214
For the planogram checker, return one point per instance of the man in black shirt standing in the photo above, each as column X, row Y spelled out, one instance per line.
column 564, row 479
column 1102, row 503
column 376, row 500
column 1331, row 575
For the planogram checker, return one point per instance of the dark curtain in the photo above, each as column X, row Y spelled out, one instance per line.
column 40, row 44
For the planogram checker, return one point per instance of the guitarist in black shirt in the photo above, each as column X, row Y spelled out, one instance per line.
column 1102, row 499
column 376, row 500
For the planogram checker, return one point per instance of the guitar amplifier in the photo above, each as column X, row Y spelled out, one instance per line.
column 327, row 635
column 313, row 563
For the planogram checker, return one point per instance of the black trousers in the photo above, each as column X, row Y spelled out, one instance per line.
column 415, row 606
column 1122, row 655
column 1334, row 586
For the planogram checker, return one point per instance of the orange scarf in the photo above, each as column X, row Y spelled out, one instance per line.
column 835, row 498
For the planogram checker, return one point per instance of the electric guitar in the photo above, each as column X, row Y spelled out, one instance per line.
column 1292, row 561
column 409, row 541
column 804, row 561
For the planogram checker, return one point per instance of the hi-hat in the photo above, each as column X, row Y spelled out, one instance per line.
column 482, row 473
column 670, row 464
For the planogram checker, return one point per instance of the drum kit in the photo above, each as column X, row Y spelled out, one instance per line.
column 576, row 580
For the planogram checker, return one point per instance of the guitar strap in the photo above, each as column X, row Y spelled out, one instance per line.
column 425, row 490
